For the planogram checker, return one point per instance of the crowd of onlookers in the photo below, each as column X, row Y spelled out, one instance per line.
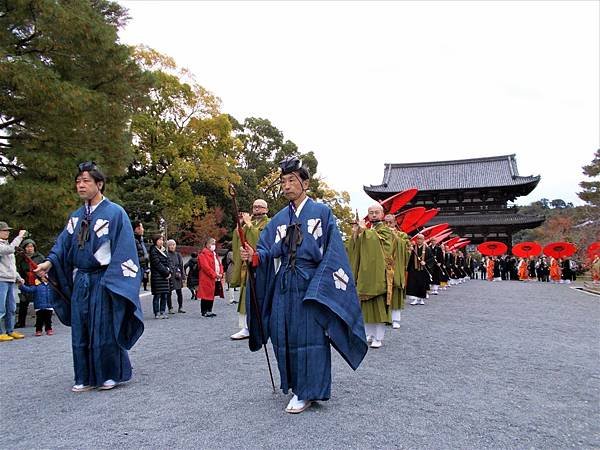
column 203, row 274
column 542, row 268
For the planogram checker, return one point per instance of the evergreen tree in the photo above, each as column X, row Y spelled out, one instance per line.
column 591, row 189
column 67, row 92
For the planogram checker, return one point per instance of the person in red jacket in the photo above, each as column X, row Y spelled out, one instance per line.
column 210, row 282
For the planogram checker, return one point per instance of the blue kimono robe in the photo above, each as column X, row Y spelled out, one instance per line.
column 102, row 280
column 307, row 302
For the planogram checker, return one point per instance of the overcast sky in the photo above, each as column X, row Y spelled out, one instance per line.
column 363, row 83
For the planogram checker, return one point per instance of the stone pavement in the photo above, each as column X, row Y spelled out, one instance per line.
column 484, row 365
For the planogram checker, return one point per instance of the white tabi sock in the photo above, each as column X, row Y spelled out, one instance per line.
column 379, row 331
column 396, row 315
column 370, row 330
column 242, row 321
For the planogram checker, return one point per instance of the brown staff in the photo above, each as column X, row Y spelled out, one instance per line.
column 252, row 283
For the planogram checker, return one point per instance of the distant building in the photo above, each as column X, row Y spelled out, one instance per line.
column 472, row 194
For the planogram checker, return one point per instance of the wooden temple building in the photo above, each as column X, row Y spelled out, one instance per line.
column 472, row 194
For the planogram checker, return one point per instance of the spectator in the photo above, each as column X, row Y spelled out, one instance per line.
column 160, row 274
column 8, row 277
column 25, row 269
column 142, row 251
column 191, row 270
column 229, row 267
column 210, row 280
column 178, row 274
column 40, row 291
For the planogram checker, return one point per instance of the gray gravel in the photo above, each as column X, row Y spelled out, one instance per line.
column 484, row 365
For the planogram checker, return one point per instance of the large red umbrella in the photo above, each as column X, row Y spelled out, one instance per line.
column 426, row 217
column 593, row 249
column 392, row 204
column 409, row 217
column 560, row 249
column 492, row 248
column 527, row 249
column 434, row 230
column 441, row 236
column 462, row 244
column 450, row 242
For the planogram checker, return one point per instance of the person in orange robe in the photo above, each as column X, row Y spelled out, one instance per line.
column 523, row 270
column 595, row 267
column 490, row 269
column 554, row 270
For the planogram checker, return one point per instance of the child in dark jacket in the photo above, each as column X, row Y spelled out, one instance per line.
column 41, row 302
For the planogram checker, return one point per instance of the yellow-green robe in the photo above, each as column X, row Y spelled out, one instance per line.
column 370, row 253
column 401, row 260
column 238, row 276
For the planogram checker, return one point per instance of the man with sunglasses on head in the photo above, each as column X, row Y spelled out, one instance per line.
column 305, row 293
column 95, row 264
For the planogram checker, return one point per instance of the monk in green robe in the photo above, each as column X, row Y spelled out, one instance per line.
column 253, row 225
column 372, row 256
column 402, row 253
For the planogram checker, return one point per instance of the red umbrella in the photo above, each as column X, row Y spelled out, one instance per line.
column 409, row 217
column 450, row 242
column 527, row 249
column 492, row 248
column 560, row 249
column 441, row 236
column 434, row 230
column 461, row 245
column 393, row 204
column 593, row 249
column 426, row 217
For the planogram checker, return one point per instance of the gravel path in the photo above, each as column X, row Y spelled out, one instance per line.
column 484, row 365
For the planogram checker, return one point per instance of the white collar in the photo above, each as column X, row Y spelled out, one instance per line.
column 299, row 208
column 93, row 208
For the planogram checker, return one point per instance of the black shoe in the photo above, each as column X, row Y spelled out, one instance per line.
column 181, row 311
column 204, row 315
column 171, row 311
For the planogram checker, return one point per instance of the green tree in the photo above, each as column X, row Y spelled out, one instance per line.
column 591, row 189
column 67, row 92
column 181, row 141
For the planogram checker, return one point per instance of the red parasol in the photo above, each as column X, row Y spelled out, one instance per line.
column 527, row 249
column 426, row 217
column 392, row 204
column 560, row 249
column 441, row 236
column 593, row 249
column 434, row 230
column 409, row 217
column 492, row 248
column 450, row 242
column 462, row 244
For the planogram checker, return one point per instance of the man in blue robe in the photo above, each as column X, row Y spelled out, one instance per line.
column 95, row 264
column 306, row 293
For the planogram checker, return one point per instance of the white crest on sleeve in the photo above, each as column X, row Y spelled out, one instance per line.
column 101, row 227
column 103, row 255
column 340, row 279
column 314, row 228
column 129, row 268
column 280, row 233
column 71, row 224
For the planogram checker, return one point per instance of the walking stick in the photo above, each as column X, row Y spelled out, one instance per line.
column 250, row 272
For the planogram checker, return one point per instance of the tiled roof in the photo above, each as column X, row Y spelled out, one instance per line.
column 474, row 173
column 487, row 219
